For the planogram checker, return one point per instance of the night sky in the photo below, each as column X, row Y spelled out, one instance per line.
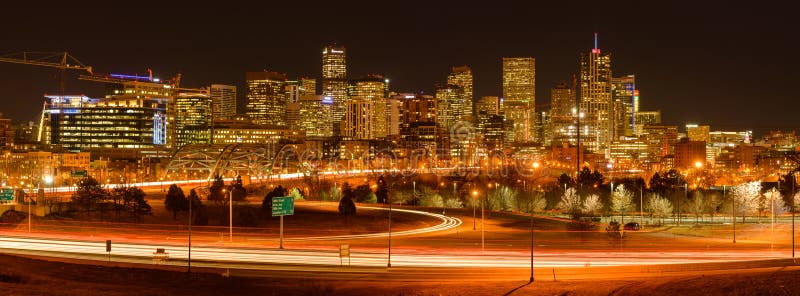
column 733, row 67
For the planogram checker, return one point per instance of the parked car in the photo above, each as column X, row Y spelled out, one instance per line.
column 632, row 226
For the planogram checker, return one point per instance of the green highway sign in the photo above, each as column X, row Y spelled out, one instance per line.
column 80, row 173
column 7, row 194
column 282, row 206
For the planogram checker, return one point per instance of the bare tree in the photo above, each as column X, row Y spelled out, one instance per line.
column 697, row 206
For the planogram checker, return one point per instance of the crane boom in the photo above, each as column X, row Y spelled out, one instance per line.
column 60, row 60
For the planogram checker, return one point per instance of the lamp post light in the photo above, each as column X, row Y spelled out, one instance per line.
column 230, row 213
column 475, row 197
column 483, row 218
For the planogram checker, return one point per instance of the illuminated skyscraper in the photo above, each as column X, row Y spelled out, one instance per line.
column 644, row 118
column 419, row 108
column 462, row 77
column 597, row 125
column 562, row 114
column 485, row 108
column 266, row 98
column 316, row 116
column 624, row 91
column 309, row 86
column 372, row 89
column 698, row 132
column 223, row 99
column 449, row 108
column 358, row 124
column 192, row 118
column 334, row 80
column 519, row 96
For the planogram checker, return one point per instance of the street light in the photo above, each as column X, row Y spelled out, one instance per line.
column 475, row 196
column 230, row 213
column 49, row 181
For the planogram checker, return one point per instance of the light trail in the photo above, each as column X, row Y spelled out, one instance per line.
column 447, row 223
column 252, row 258
column 277, row 177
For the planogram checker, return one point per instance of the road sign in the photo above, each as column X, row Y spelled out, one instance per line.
column 282, row 206
column 7, row 195
column 80, row 174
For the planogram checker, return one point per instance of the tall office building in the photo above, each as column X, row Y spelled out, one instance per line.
column 519, row 96
column 266, row 98
column 374, row 90
column 79, row 122
column 644, row 118
column 462, row 77
column 486, row 107
column 223, row 100
column 394, row 116
column 334, row 80
column 624, row 91
column 308, row 86
column 698, row 132
column 357, row 123
column 562, row 114
column 449, row 108
column 316, row 114
column 192, row 118
column 597, row 124
column 419, row 108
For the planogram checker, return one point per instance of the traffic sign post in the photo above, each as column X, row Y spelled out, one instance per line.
column 79, row 174
column 282, row 206
column 7, row 195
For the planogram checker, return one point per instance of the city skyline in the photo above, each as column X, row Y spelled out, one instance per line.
column 669, row 59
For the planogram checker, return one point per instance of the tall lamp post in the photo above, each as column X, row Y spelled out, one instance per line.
column 475, row 198
column 230, row 213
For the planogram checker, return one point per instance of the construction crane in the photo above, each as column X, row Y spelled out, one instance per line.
column 59, row 60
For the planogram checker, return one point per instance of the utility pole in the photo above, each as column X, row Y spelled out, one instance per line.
column 190, row 232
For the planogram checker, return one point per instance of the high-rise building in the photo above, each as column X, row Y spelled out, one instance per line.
column 597, row 125
column 394, row 116
column 562, row 114
column 688, row 153
column 374, row 90
column 698, row 132
column 462, row 77
column 419, row 108
column 519, row 96
column 624, row 91
column 334, row 80
column 316, row 114
column 449, row 106
column 660, row 140
column 79, row 122
column 308, row 86
column 486, row 107
column 544, row 132
column 266, row 98
column 357, row 123
column 6, row 133
column 192, row 119
column 223, row 99
column 644, row 118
